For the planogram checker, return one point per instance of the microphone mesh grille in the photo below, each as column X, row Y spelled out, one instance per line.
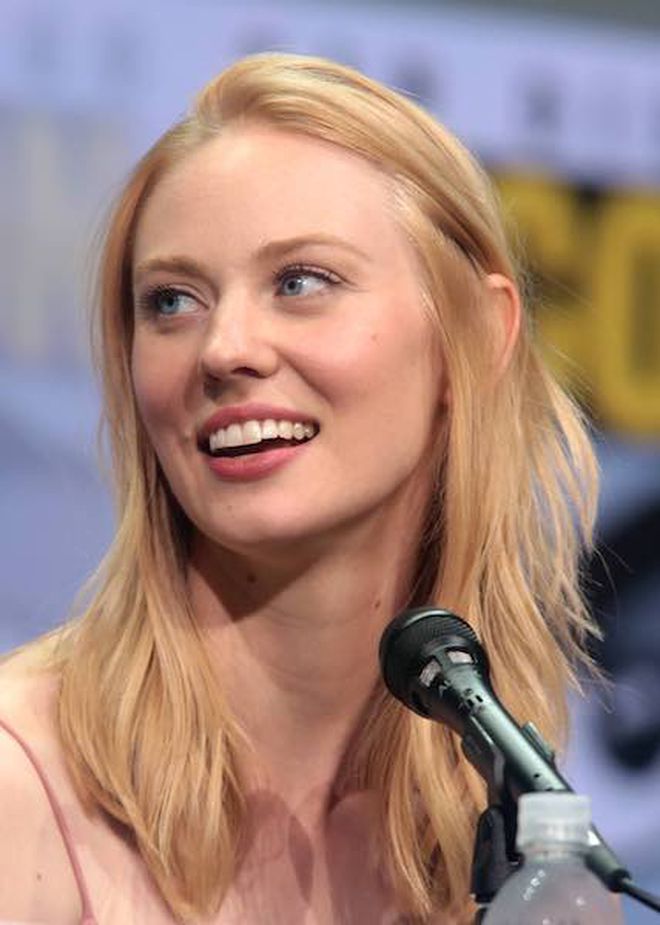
column 403, row 642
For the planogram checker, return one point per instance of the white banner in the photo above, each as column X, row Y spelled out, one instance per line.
column 582, row 101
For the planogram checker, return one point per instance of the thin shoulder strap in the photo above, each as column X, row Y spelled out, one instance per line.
column 87, row 912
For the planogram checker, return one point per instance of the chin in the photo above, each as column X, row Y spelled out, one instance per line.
column 271, row 537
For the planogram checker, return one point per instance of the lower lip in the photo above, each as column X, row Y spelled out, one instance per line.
column 254, row 466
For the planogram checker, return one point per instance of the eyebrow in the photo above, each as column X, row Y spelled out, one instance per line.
column 280, row 248
column 190, row 267
column 174, row 264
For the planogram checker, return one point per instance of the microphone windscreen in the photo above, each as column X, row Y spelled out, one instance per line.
column 402, row 646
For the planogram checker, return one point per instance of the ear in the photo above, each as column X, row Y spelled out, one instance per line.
column 505, row 313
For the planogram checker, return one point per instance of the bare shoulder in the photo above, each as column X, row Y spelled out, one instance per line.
column 36, row 878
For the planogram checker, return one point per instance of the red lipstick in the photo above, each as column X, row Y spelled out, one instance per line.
column 250, row 466
column 254, row 466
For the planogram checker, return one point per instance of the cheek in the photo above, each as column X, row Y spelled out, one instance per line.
column 388, row 368
column 159, row 383
column 383, row 387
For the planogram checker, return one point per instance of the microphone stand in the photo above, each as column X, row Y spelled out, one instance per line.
column 495, row 857
column 492, row 863
column 432, row 662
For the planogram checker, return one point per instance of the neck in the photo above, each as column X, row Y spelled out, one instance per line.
column 295, row 647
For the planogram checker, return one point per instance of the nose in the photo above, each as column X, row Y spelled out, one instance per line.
column 238, row 341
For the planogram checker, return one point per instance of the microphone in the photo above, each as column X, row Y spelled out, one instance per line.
column 432, row 661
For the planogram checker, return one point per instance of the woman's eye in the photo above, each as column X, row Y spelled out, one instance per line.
column 168, row 302
column 305, row 281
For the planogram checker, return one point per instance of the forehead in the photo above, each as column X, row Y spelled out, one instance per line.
column 253, row 184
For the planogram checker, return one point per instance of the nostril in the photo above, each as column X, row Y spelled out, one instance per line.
column 214, row 383
column 247, row 371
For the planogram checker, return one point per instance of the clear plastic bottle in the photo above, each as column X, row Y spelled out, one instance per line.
column 553, row 886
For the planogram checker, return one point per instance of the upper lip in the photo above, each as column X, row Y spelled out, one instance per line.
column 238, row 414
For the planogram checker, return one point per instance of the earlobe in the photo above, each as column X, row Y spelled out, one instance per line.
column 505, row 310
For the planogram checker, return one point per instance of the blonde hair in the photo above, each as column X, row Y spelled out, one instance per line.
column 147, row 735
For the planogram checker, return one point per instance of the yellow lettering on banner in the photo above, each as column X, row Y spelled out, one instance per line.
column 554, row 233
column 625, row 313
column 597, row 302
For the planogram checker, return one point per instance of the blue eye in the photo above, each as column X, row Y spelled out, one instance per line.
column 168, row 302
column 304, row 281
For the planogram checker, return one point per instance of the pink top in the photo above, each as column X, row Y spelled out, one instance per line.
column 88, row 917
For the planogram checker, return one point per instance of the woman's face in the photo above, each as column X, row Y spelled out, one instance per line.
column 283, row 364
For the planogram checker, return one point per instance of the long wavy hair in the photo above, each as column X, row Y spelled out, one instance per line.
column 147, row 735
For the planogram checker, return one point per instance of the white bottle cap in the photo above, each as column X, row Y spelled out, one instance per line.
column 553, row 817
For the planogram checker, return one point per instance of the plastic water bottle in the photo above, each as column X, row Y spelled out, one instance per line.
column 553, row 886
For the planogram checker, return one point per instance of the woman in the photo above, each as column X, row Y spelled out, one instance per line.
column 324, row 406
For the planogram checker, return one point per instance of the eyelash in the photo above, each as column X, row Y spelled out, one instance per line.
column 147, row 302
column 326, row 277
column 303, row 269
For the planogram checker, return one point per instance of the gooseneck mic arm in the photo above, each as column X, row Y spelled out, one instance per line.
column 432, row 662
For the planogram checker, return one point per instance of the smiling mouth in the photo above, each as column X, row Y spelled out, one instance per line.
column 253, row 437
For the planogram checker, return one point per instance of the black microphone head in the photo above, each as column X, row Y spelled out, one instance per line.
column 405, row 644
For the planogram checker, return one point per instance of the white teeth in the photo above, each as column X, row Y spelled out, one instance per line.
column 217, row 440
column 269, row 430
column 252, row 432
column 234, row 435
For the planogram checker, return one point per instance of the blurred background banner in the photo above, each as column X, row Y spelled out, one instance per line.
column 562, row 107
